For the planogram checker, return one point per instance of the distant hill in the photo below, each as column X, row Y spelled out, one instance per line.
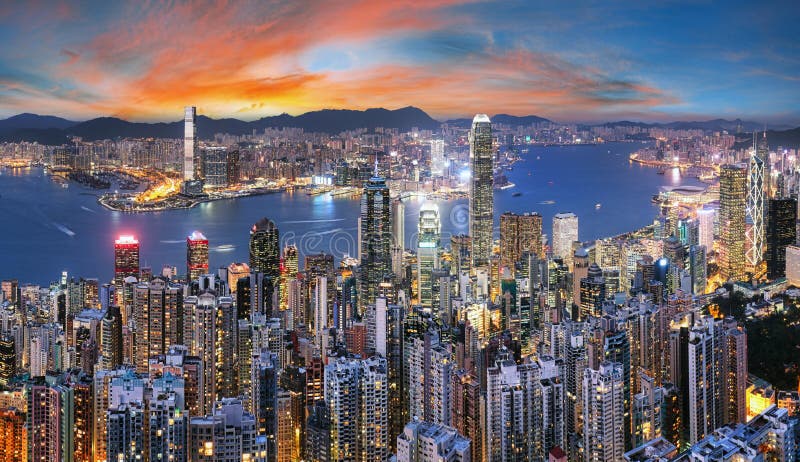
column 711, row 125
column 504, row 119
column 53, row 130
column 776, row 138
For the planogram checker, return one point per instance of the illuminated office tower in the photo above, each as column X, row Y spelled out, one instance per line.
column 50, row 423
column 697, row 269
column 376, row 239
column 755, row 211
column 705, row 228
column 126, row 262
column 732, row 212
column 518, row 234
column 237, row 271
column 227, row 435
column 157, row 309
column 580, row 270
column 265, row 251
column 13, row 435
column 437, row 157
column 481, row 190
column 603, row 413
column 289, row 270
column 398, row 236
column 196, row 256
column 592, row 292
column 429, row 234
column 565, row 232
column 189, row 142
column 781, row 233
column 524, row 409
column 461, row 248
column 427, row 442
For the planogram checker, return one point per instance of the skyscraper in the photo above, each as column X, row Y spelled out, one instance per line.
column 265, row 251
column 437, row 157
column 603, row 413
column 196, row 255
column 755, row 211
column 398, row 236
column 429, row 233
column 781, row 233
column 189, row 142
column 732, row 208
column 376, row 239
column 565, row 232
column 126, row 262
column 481, row 190
column 518, row 234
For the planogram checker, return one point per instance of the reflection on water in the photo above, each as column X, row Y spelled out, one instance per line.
column 32, row 249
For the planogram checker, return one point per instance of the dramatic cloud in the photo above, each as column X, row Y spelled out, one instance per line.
column 451, row 58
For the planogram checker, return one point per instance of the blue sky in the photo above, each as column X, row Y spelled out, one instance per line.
column 568, row 61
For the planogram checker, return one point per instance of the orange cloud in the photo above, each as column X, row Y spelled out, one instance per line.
column 246, row 58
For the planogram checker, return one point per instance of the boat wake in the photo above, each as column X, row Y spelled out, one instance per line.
column 330, row 220
column 64, row 229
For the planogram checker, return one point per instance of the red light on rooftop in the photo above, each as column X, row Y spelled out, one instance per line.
column 126, row 239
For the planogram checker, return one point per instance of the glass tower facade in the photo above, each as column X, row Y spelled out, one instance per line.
column 481, row 192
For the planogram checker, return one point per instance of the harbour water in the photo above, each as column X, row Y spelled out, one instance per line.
column 46, row 229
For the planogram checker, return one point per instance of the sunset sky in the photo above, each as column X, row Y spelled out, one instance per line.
column 565, row 60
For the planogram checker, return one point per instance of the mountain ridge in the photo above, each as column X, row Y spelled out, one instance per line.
column 48, row 129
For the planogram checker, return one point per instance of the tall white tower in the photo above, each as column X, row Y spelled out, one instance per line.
column 189, row 141
column 755, row 210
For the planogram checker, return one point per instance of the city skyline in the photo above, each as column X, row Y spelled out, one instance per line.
column 593, row 63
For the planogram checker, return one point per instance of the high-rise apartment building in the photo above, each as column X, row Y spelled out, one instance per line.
column 524, row 409
column 481, row 190
column 603, row 413
column 519, row 233
column 426, row 442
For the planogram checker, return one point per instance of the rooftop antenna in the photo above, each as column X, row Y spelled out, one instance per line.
column 376, row 166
